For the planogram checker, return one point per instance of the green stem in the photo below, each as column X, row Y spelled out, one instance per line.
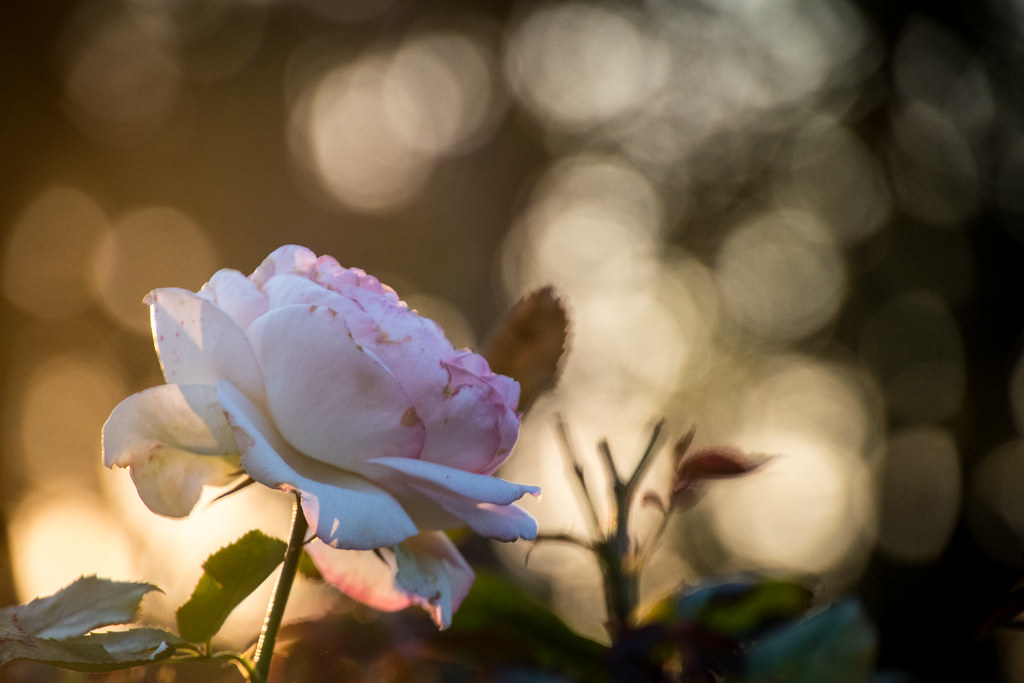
column 275, row 610
column 620, row 561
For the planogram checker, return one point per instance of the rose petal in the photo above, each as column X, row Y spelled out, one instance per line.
column 286, row 290
column 198, row 343
column 479, row 501
column 367, row 576
column 333, row 276
column 343, row 510
column 434, row 573
column 500, row 522
column 175, row 440
column 421, row 473
column 236, row 295
column 467, row 423
column 330, row 397
column 426, row 569
column 290, row 258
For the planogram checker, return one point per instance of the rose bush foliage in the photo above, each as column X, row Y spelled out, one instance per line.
column 317, row 379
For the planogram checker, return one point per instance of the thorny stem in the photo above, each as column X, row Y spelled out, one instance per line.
column 275, row 610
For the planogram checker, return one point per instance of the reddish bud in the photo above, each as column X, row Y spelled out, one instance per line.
column 717, row 462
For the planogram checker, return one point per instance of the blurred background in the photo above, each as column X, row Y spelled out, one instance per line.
column 796, row 225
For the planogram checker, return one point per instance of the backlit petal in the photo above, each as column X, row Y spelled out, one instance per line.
column 362, row 574
column 236, row 295
column 198, row 343
column 175, row 439
column 434, row 573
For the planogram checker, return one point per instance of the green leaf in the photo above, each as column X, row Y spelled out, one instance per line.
column 95, row 652
column 55, row 629
column 836, row 644
column 230, row 575
column 307, row 568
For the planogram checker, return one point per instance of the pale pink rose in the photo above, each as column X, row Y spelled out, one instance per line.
column 315, row 378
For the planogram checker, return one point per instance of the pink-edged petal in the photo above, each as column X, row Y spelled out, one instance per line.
column 463, row 429
column 364, row 575
column 343, row 510
column 290, row 258
column 469, row 367
column 426, row 569
column 333, row 276
column 198, row 343
column 175, row 440
column 434, row 573
column 330, row 397
column 467, row 423
column 236, row 295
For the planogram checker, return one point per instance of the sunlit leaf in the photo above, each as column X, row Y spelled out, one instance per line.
column 107, row 651
column 230, row 575
column 88, row 603
column 529, row 343
column 56, row 629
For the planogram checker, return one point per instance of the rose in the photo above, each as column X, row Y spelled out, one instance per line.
column 316, row 379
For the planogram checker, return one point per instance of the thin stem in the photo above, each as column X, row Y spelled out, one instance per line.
column 645, row 459
column 586, row 502
column 609, row 462
column 275, row 610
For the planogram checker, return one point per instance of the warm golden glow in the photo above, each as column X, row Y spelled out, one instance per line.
column 49, row 250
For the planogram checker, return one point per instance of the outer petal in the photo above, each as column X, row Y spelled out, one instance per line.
column 421, row 474
column 435, row 574
column 343, row 510
column 175, row 440
column 330, row 397
column 481, row 502
column 236, row 295
column 362, row 574
column 198, row 343
column 426, row 569
column 500, row 522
